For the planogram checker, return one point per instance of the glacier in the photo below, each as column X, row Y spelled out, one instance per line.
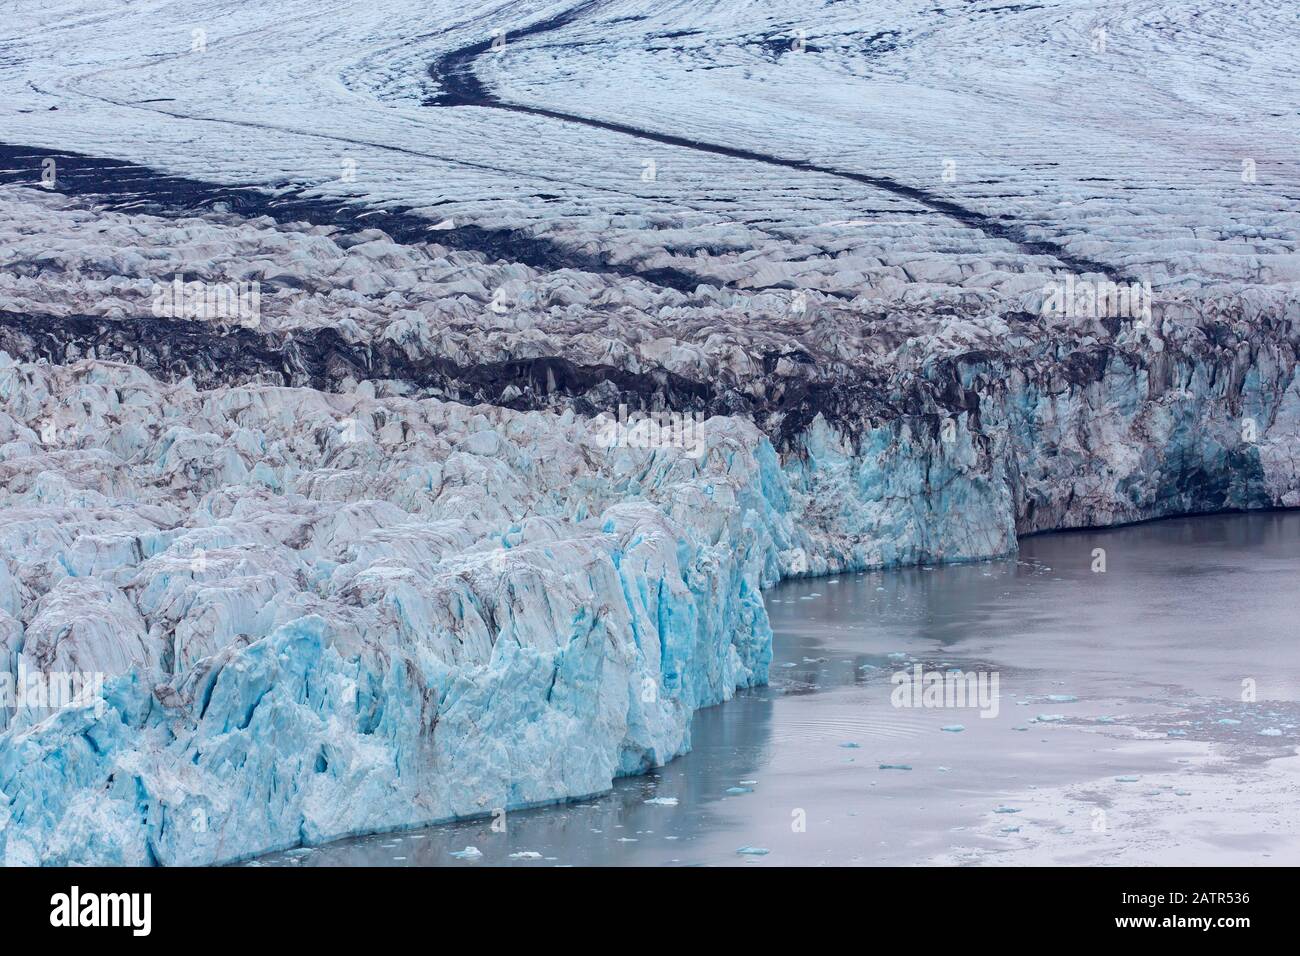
column 454, row 610
column 368, row 559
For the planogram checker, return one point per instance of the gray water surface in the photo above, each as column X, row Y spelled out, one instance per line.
column 1114, row 686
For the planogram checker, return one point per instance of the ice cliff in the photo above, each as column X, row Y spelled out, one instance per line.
column 368, row 558
column 322, row 614
column 325, row 614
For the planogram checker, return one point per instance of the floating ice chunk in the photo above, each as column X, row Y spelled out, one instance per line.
column 469, row 853
column 1009, row 830
column 1049, row 718
column 953, row 728
column 1227, row 721
column 748, row 783
column 1007, row 810
column 662, row 801
column 1126, row 779
column 737, row 791
column 895, row 766
column 526, row 855
column 850, row 745
column 753, row 851
column 1270, row 732
column 1062, row 698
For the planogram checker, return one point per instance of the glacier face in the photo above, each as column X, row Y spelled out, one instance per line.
column 324, row 614
column 371, row 561
column 321, row 614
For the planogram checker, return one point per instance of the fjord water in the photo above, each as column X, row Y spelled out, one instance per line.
column 1120, row 733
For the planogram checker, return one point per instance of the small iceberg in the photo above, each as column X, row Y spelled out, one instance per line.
column 662, row 802
column 469, row 853
column 753, row 851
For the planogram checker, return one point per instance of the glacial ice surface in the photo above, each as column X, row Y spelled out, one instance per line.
column 328, row 599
